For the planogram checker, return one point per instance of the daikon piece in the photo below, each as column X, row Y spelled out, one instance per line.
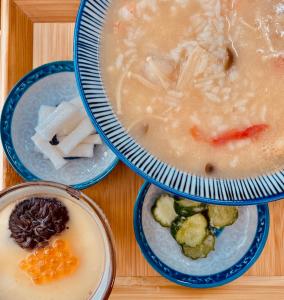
column 64, row 131
column 82, row 150
column 44, row 112
column 77, row 102
column 49, row 151
column 93, row 139
column 84, row 129
column 69, row 127
column 64, row 115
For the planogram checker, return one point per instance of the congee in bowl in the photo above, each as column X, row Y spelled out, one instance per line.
column 199, row 83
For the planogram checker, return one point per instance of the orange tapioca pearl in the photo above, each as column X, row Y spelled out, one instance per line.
column 42, row 269
column 59, row 254
column 31, row 259
column 48, row 252
column 50, row 263
column 38, row 280
column 59, row 244
column 73, row 261
column 23, row 265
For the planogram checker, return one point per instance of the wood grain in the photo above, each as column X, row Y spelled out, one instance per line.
column 2, row 71
column 117, row 193
column 5, row 11
column 49, row 10
column 52, row 42
column 158, row 288
column 17, row 41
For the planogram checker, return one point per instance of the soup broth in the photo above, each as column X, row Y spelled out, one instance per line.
column 199, row 83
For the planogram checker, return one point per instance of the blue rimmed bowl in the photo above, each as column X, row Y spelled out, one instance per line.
column 237, row 247
column 90, row 22
column 49, row 84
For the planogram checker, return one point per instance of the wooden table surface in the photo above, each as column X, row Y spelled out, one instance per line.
column 39, row 31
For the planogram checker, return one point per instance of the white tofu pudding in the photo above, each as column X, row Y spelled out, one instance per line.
column 55, row 243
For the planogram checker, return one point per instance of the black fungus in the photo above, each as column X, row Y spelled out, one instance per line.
column 54, row 141
column 34, row 221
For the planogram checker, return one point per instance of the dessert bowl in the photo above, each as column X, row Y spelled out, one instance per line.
column 49, row 84
column 237, row 247
column 88, row 236
column 87, row 47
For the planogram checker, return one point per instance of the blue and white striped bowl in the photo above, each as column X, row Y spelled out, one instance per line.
column 90, row 21
column 49, row 84
column 237, row 247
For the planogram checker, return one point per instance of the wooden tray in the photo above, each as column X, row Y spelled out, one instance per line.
column 38, row 31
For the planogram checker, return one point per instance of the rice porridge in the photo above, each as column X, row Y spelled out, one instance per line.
column 199, row 83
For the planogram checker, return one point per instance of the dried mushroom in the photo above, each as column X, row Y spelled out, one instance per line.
column 34, row 221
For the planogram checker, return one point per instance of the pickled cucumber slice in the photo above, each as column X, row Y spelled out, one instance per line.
column 190, row 231
column 163, row 210
column 202, row 250
column 187, row 208
column 221, row 216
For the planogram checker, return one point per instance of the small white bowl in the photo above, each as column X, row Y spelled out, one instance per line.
column 50, row 85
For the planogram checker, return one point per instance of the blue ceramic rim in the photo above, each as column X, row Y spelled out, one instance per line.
column 263, row 210
column 7, row 115
column 235, row 201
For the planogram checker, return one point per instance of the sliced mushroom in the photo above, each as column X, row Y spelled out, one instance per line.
column 209, row 168
column 229, row 60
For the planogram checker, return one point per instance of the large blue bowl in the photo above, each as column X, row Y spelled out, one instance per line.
column 237, row 247
column 90, row 21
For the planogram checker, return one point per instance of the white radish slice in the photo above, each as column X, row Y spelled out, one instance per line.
column 68, row 128
column 77, row 102
column 93, row 139
column 49, row 151
column 84, row 129
column 44, row 112
column 82, row 150
column 64, row 115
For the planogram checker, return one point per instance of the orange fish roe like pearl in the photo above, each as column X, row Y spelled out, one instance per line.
column 50, row 263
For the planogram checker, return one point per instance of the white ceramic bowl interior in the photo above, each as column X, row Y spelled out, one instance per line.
column 231, row 244
column 52, row 90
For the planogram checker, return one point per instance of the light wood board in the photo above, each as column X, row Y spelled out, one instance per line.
column 50, row 11
column 38, row 43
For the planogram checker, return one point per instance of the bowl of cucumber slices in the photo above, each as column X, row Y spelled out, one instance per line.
column 195, row 244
